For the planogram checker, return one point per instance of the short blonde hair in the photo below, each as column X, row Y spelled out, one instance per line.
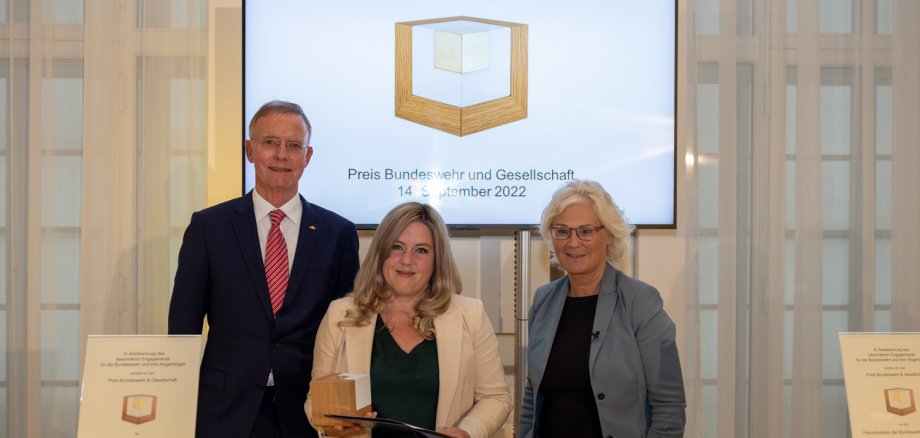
column 592, row 194
column 371, row 291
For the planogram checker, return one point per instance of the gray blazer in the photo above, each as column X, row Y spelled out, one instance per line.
column 635, row 371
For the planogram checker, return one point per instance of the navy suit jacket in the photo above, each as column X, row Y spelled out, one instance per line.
column 221, row 275
column 634, row 367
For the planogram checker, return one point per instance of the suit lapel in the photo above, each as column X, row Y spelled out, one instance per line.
column 449, row 335
column 606, row 302
column 544, row 333
column 244, row 225
column 358, row 346
column 306, row 243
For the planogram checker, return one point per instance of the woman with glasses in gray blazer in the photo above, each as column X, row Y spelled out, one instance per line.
column 602, row 360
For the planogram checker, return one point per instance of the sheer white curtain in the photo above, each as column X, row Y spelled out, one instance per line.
column 802, row 158
column 102, row 150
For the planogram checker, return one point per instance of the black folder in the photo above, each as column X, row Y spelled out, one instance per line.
column 385, row 424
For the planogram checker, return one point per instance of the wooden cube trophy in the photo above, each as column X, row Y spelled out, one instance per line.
column 340, row 394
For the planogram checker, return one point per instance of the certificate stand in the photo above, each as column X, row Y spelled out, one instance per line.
column 882, row 376
column 140, row 386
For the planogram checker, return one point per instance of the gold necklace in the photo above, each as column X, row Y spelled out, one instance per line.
column 389, row 319
column 389, row 322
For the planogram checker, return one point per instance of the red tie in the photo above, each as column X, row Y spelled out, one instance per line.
column 276, row 262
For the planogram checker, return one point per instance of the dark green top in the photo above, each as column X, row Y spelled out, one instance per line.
column 404, row 386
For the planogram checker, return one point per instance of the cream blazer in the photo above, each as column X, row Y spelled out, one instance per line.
column 472, row 393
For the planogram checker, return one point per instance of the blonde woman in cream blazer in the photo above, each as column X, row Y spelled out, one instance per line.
column 473, row 394
column 472, row 397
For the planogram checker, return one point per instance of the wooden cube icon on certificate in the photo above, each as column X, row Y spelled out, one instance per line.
column 340, row 394
column 900, row 401
column 139, row 408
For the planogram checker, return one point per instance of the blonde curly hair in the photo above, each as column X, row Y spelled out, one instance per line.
column 371, row 291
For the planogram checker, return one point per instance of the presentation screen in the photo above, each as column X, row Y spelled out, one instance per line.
column 480, row 108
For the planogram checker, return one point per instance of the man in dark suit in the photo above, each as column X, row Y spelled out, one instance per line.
column 262, row 268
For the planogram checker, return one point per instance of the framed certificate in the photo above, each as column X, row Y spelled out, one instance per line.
column 882, row 376
column 140, row 386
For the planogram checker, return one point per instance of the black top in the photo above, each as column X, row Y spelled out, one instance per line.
column 569, row 408
column 404, row 386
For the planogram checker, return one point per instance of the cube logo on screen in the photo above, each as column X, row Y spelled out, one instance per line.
column 461, row 75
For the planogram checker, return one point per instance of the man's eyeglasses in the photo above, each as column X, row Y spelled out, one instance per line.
column 584, row 232
column 274, row 143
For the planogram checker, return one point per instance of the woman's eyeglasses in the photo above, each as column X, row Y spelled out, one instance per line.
column 584, row 232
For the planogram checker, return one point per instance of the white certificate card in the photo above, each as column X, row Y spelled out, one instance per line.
column 140, row 386
column 882, row 376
